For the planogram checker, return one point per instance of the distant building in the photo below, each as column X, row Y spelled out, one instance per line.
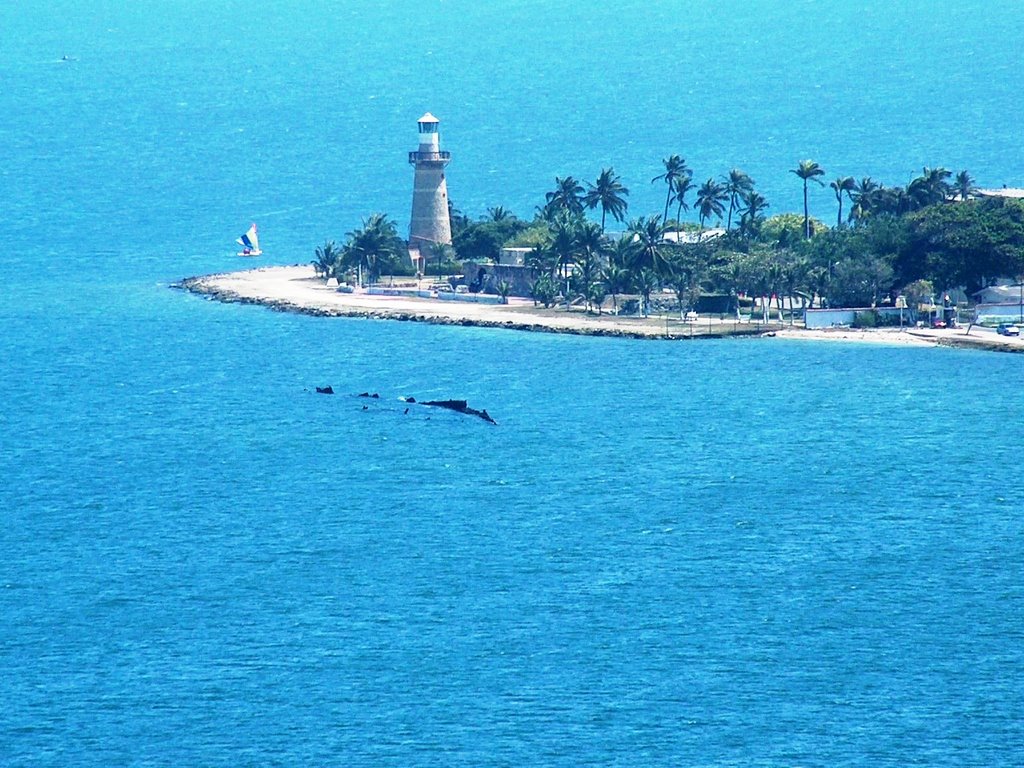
column 1007, row 293
column 691, row 237
column 515, row 257
column 1009, row 193
column 430, row 223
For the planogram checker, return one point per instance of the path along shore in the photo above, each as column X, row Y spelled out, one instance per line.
column 297, row 289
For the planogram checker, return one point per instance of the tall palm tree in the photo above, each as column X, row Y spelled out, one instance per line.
column 843, row 185
column 499, row 213
column 566, row 197
column 736, row 184
column 563, row 245
column 711, row 199
column 683, row 186
column 608, row 193
column 808, row 170
column 591, row 248
column 675, row 169
column 964, row 185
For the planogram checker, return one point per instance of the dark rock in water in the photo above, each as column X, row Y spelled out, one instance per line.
column 328, row 390
column 451, row 405
column 410, row 399
column 461, row 406
column 375, row 396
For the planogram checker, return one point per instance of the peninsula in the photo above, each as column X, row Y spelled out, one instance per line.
column 298, row 289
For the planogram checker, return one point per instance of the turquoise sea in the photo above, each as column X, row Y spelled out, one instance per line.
column 740, row 553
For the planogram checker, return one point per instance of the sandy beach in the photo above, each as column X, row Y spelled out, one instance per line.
column 297, row 289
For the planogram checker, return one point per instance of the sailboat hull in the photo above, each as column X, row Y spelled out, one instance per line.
column 250, row 253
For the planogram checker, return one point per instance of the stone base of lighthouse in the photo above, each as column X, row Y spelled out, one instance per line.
column 430, row 222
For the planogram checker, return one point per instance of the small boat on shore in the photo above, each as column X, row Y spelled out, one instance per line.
column 250, row 243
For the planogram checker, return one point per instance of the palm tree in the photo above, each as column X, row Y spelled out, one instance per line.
column 608, row 193
column 775, row 279
column 590, row 250
column 843, row 185
column 367, row 248
column 710, row 200
column 808, row 170
column 675, row 169
column 563, row 247
column 736, row 185
column 683, row 186
column 503, row 290
column 646, row 281
column 650, row 251
column 929, row 188
column 795, row 281
column 896, row 201
column 596, row 295
column 541, row 259
column 326, row 258
column 689, row 265
column 964, row 185
column 864, row 199
column 751, row 215
column 499, row 213
column 937, row 179
column 621, row 251
column 567, row 197
column 544, row 290
column 442, row 253
column 615, row 278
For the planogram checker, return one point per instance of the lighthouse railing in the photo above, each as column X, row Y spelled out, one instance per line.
column 430, row 157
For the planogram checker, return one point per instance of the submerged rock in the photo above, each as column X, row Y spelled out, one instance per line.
column 328, row 390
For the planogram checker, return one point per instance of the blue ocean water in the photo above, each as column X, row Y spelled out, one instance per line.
column 726, row 553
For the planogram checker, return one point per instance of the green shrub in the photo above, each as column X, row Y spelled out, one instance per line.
column 866, row 320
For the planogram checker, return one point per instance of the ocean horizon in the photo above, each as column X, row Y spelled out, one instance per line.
column 724, row 553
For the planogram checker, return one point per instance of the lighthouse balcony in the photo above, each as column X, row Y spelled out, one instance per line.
column 429, row 157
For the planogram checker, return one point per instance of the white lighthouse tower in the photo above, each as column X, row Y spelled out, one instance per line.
column 430, row 222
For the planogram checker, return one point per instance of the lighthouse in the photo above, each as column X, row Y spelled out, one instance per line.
column 430, row 222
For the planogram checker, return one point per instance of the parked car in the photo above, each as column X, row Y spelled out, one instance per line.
column 1008, row 329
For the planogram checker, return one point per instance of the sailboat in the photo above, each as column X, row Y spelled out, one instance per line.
column 250, row 243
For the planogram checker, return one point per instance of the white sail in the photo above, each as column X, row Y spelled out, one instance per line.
column 250, row 243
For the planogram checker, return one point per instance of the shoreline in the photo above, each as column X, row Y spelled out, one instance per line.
column 296, row 289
